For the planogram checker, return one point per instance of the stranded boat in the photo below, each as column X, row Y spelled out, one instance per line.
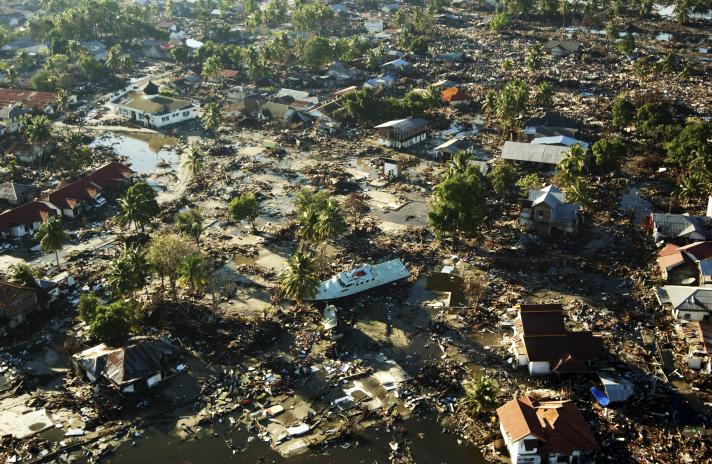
column 361, row 279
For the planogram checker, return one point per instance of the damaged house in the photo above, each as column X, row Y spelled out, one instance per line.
column 545, row 432
column 686, row 303
column 542, row 343
column 16, row 302
column 552, row 123
column 698, row 335
column 679, row 227
column 686, row 265
column 17, row 194
column 402, row 133
column 561, row 47
column 138, row 366
column 547, row 210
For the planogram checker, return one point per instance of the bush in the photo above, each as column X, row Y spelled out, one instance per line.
column 607, row 154
column 112, row 324
column 499, row 22
column 651, row 116
column 623, row 112
column 87, row 307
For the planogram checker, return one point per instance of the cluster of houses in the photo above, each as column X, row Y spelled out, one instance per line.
column 70, row 200
column 16, row 103
column 685, row 265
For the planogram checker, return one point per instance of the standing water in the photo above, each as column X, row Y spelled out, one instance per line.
column 145, row 153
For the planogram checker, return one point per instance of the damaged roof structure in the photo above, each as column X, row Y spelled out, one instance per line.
column 542, row 343
column 681, row 227
column 137, row 366
column 688, row 264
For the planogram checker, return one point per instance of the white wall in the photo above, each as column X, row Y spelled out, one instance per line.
column 539, row 368
column 689, row 315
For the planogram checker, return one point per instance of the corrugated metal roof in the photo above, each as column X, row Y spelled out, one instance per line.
column 531, row 153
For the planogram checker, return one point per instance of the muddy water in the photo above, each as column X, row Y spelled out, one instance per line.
column 428, row 444
column 145, row 153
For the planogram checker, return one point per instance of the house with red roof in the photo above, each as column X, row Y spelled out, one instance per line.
column 26, row 219
column 686, row 265
column 75, row 198
column 33, row 100
column 455, row 97
column 542, row 343
column 68, row 200
column 538, row 432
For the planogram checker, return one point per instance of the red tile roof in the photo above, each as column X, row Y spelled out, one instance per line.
column 34, row 211
column 110, row 175
column 229, row 73
column 454, row 94
column 9, row 292
column 31, row 99
column 541, row 334
column 72, row 194
column 558, row 424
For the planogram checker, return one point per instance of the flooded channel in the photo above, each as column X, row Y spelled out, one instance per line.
column 428, row 444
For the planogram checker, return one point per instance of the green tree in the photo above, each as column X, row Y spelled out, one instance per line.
column 480, row 395
column 545, row 95
column 534, row 58
column 316, row 52
column 193, row 273
column 503, row 178
column 212, row 67
column 194, row 161
column 579, row 190
column 650, row 116
column 693, row 138
column 181, row 55
column 37, row 130
column 166, row 253
column 459, row 204
column 623, row 112
column 312, row 17
column 23, row 274
column 573, row 165
column 500, row 21
column 129, row 272
column 138, row 206
column 87, row 307
column 300, row 279
column 245, row 207
column 190, row 223
column 112, row 324
column 529, row 182
column 212, row 117
column 51, row 235
column 608, row 153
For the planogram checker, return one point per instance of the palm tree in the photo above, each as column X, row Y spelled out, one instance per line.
column 545, row 94
column 51, row 235
column 480, row 395
column 23, row 274
column 190, row 223
column 212, row 117
column 12, row 76
column 194, row 160
column 138, row 206
column 37, row 129
column 193, row 273
column 330, row 225
column 62, row 101
column 459, row 164
column 579, row 191
column 300, row 279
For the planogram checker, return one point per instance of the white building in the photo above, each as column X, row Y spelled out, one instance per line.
column 686, row 303
column 153, row 110
column 402, row 133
